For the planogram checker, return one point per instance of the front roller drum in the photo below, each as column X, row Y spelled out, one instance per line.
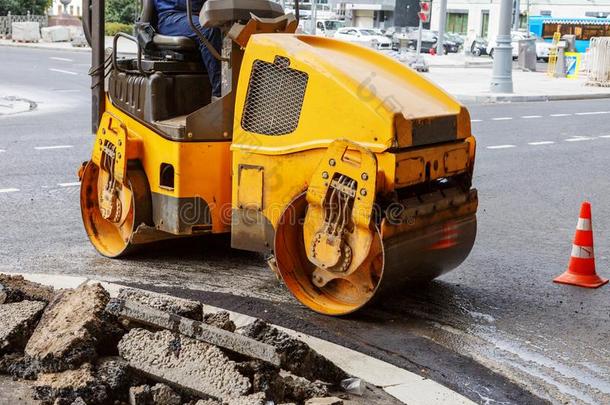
column 391, row 265
column 111, row 228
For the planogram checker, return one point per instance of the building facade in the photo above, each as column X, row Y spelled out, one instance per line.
column 74, row 8
column 480, row 17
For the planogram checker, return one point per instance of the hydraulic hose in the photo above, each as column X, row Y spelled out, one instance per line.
column 202, row 38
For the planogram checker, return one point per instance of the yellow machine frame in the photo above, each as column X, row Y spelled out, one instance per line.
column 363, row 116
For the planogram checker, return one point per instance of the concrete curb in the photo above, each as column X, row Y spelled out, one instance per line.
column 404, row 385
column 465, row 65
column 508, row 98
column 37, row 45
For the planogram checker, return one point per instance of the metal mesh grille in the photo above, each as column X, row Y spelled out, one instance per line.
column 275, row 97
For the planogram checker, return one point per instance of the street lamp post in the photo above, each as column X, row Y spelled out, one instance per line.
column 502, row 76
column 442, row 21
column 517, row 21
column 314, row 16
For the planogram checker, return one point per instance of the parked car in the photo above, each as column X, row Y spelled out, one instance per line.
column 328, row 28
column 542, row 47
column 396, row 34
column 479, row 47
column 364, row 36
column 457, row 38
column 429, row 40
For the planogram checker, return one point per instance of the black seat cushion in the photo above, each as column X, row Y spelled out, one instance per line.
column 170, row 43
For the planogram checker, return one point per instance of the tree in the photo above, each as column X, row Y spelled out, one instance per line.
column 122, row 11
column 21, row 7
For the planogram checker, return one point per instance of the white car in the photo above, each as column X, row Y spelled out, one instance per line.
column 364, row 36
column 542, row 47
column 328, row 28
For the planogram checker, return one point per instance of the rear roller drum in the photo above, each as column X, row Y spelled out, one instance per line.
column 324, row 291
column 111, row 211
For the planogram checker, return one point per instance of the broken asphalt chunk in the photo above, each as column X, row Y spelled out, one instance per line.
column 18, row 288
column 177, row 306
column 185, row 363
column 296, row 356
column 73, row 329
column 17, row 323
column 237, row 343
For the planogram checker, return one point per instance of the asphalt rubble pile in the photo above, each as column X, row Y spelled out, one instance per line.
column 79, row 346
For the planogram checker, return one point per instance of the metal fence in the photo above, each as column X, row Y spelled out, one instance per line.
column 7, row 20
column 598, row 62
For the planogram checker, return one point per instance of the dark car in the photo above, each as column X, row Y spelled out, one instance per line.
column 478, row 47
column 429, row 40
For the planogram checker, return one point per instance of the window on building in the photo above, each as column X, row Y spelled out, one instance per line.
column 484, row 23
column 71, row 10
column 457, row 22
column 78, row 11
column 59, row 9
column 590, row 31
column 549, row 30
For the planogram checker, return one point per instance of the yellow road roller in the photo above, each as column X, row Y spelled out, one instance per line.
column 348, row 169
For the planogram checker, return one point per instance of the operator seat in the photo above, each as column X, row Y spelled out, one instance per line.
column 156, row 45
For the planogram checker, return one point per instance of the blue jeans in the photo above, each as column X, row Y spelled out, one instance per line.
column 176, row 24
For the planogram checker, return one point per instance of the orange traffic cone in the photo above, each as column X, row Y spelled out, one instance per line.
column 581, row 269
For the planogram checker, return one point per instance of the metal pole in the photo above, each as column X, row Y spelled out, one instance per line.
column 502, row 76
column 442, row 21
column 97, row 62
column 517, row 21
column 419, row 38
column 314, row 9
column 527, row 16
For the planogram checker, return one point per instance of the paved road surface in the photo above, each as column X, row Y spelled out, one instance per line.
column 495, row 321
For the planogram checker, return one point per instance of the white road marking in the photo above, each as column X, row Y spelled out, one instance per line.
column 476, row 120
column 502, row 118
column 68, row 91
column 501, row 146
column 63, row 71
column 540, row 143
column 2, row 150
column 592, row 113
column 53, row 147
column 560, row 115
column 8, row 190
column 531, row 116
column 61, row 59
column 73, row 184
column 579, row 138
column 604, row 136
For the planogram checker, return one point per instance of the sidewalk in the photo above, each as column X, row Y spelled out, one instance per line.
column 472, row 86
column 125, row 46
column 458, row 60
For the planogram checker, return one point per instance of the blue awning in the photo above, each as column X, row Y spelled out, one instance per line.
column 578, row 21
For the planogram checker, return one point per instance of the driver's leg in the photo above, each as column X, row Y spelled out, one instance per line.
column 176, row 24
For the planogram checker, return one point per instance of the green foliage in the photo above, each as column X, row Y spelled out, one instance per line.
column 113, row 27
column 21, row 7
column 122, row 11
